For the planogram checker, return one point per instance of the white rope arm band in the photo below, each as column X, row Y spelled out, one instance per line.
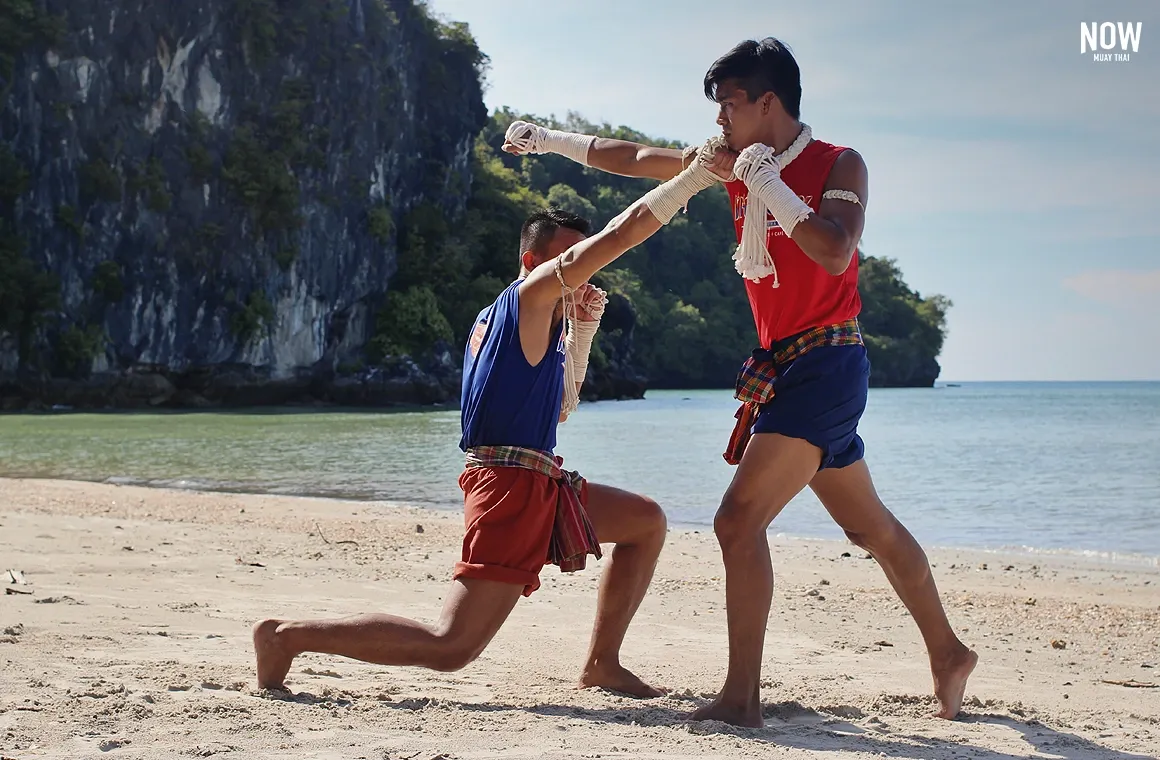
column 843, row 195
column 532, row 138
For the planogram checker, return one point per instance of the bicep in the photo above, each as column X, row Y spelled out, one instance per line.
column 630, row 159
column 848, row 175
column 660, row 163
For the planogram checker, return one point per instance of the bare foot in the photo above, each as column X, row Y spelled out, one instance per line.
column 950, row 682
column 616, row 678
column 273, row 660
column 748, row 716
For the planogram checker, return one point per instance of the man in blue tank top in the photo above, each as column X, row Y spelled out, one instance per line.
column 524, row 359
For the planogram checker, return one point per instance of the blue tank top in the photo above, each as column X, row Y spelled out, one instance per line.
column 505, row 401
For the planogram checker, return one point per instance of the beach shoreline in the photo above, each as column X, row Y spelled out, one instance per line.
column 1097, row 558
column 134, row 643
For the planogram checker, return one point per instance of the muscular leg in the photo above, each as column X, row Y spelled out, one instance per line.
column 637, row 526
column 773, row 470
column 849, row 496
column 475, row 609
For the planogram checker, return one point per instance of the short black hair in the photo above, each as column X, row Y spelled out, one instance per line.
column 539, row 228
column 759, row 67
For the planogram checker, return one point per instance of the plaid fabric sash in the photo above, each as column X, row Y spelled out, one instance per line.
column 573, row 537
column 754, row 385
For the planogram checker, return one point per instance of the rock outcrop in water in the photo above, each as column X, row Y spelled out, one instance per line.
column 200, row 198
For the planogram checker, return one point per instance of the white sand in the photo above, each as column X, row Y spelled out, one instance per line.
column 135, row 644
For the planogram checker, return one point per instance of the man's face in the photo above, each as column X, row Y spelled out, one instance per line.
column 740, row 120
column 562, row 239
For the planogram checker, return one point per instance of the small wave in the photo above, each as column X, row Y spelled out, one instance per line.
column 1093, row 555
column 276, row 489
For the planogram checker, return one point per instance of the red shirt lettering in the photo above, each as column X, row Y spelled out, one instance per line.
column 808, row 295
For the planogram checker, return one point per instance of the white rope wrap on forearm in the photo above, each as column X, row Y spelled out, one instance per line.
column 760, row 170
column 582, row 331
column 578, row 339
column 577, row 348
column 532, row 138
column 664, row 201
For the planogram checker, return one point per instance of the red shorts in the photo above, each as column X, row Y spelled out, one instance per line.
column 509, row 513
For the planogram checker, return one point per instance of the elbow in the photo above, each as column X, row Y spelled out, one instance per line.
column 837, row 260
column 836, row 266
column 618, row 227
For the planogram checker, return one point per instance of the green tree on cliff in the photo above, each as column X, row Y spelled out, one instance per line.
column 687, row 321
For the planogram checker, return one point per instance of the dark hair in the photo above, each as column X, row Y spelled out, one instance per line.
column 539, row 228
column 759, row 67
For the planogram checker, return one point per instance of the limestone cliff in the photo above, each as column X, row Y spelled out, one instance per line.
column 201, row 198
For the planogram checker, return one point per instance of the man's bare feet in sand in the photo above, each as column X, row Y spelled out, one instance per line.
column 273, row 661
column 747, row 716
column 616, row 677
column 950, row 682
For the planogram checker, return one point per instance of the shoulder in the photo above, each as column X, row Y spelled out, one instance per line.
column 846, row 167
column 843, row 166
column 837, row 155
column 506, row 304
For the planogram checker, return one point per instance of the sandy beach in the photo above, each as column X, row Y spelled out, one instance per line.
column 129, row 637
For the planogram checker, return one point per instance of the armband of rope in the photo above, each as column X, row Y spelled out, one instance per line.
column 843, row 195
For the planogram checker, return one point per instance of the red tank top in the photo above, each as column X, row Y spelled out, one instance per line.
column 808, row 295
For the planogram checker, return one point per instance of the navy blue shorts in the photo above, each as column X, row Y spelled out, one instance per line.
column 820, row 397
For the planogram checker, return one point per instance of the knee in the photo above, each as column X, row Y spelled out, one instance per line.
column 455, row 653
column 878, row 539
column 734, row 523
column 642, row 524
column 656, row 525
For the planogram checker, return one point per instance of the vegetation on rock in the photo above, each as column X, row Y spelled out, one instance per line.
column 688, row 324
column 340, row 152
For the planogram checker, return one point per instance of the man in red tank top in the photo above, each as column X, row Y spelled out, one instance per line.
column 799, row 209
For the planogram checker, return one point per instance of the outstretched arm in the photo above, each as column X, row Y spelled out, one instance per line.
column 542, row 289
column 622, row 157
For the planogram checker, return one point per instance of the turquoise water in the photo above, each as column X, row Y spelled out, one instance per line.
column 994, row 465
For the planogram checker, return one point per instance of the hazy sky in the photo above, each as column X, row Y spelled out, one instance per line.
column 1008, row 170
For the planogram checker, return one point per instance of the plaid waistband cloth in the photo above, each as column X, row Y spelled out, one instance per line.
column 573, row 537
column 754, row 385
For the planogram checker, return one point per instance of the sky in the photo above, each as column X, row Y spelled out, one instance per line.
column 1008, row 171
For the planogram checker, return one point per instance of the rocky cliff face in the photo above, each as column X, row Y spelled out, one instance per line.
column 202, row 198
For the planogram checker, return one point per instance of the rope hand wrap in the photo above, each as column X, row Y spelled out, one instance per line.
column 664, row 201
column 578, row 338
column 706, row 152
column 578, row 346
column 760, row 170
column 532, row 138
